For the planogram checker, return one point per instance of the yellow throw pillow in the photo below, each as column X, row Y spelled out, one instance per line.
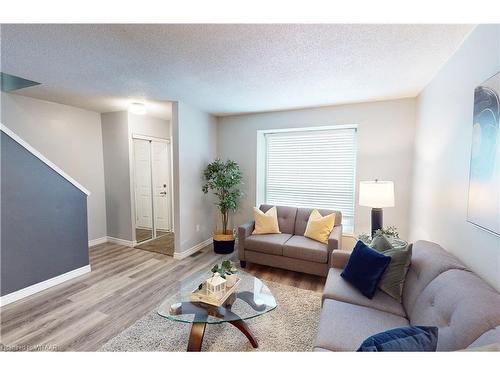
column 266, row 223
column 319, row 227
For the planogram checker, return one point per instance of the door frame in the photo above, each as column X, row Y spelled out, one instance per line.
column 132, row 184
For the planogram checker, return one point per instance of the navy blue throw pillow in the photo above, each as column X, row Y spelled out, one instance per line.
column 404, row 339
column 365, row 268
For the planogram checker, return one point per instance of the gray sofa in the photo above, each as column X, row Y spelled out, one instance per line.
column 439, row 291
column 290, row 249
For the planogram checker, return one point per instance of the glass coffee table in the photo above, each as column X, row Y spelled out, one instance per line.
column 250, row 299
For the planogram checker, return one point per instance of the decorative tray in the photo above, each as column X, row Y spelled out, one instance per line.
column 201, row 295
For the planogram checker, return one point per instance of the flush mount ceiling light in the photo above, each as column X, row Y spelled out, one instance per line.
column 137, row 108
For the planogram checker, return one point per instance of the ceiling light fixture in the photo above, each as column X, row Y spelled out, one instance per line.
column 137, row 108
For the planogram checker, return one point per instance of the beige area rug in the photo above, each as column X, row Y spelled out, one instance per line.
column 162, row 245
column 290, row 327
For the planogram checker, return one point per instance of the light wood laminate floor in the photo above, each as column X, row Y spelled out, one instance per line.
column 124, row 285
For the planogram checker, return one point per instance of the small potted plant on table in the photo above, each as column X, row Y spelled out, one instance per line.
column 391, row 233
column 223, row 178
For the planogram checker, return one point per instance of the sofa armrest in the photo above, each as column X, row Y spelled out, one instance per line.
column 244, row 231
column 339, row 258
column 335, row 239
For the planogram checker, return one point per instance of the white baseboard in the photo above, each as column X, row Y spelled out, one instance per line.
column 98, row 241
column 120, row 241
column 35, row 288
column 192, row 250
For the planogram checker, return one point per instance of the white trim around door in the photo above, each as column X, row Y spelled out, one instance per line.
column 166, row 189
column 148, row 138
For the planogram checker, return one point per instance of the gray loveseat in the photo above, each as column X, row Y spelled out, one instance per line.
column 290, row 249
column 439, row 291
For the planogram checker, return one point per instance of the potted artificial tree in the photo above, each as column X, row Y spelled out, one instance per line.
column 223, row 178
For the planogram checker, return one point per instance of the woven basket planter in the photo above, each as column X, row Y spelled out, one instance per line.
column 223, row 242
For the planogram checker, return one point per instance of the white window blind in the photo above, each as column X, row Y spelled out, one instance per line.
column 314, row 169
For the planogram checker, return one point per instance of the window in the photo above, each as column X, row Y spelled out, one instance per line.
column 312, row 168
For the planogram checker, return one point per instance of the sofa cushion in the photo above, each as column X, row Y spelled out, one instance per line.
column 303, row 217
column 365, row 268
column 428, row 260
column 403, row 339
column 339, row 258
column 488, row 338
column 267, row 243
column 286, row 217
column 343, row 326
column 495, row 347
column 461, row 305
column 300, row 247
column 338, row 289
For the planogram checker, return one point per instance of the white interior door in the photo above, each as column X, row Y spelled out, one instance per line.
column 161, row 185
column 143, row 207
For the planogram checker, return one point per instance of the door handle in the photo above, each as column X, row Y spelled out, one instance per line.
column 163, row 193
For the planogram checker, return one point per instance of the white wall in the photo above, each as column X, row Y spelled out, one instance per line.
column 194, row 136
column 70, row 137
column 385, row 149
column 148, row 125
column 442, row 155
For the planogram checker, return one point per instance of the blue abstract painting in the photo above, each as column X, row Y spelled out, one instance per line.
column 484, row 182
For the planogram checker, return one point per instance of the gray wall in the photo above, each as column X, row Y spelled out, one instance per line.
column 115, row 144
column 69, row 137
column 442, row 155
column 43, row 220
column 385, row 149
column 194, row 141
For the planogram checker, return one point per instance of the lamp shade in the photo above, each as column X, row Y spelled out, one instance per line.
column 376, row 194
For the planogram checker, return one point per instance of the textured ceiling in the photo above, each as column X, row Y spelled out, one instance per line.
column 225, row 69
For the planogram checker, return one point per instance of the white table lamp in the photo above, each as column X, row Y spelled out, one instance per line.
column 377, row 195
